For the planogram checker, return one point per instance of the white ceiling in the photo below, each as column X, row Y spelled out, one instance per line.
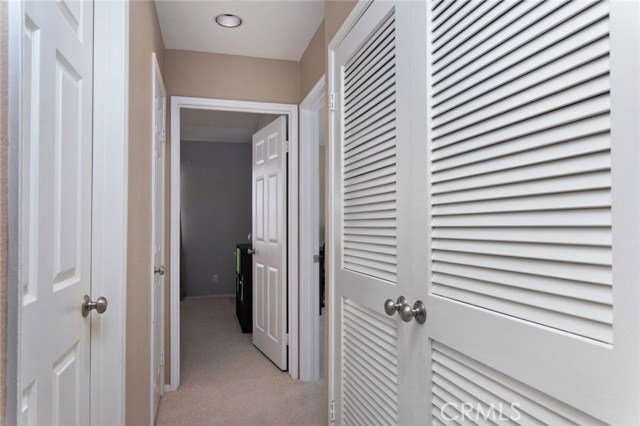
column 221, row 126
column 271, row 29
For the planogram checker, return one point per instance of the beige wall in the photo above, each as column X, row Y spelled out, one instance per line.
column 213, row 75
column 335, row 12
column 144, row 38
column 312, row 62
column 4, row 143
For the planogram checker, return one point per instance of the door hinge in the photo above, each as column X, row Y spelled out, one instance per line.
column 286, row 146
column 163, row 134
column 332, row 101
column 332, row 411
column 286, row 339
column 162, row 358
column 316, row 258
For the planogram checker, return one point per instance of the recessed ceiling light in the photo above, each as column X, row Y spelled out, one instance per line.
column 229, row 21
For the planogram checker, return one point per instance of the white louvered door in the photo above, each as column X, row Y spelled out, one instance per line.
column 486, row 160
column 533, row 289
column 376, row 253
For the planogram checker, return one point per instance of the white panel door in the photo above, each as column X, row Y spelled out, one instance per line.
column 269, row 241
column 377, row 242
column 55, row 212
column 492, row 175
column 158, row 224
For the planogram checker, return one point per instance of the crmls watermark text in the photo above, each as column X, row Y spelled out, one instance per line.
column 496, row 413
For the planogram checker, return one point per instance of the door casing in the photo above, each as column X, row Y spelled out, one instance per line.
column 291, row 111
column 109, row 209
column 330, row 224
column 157, row 310
column 310, row 108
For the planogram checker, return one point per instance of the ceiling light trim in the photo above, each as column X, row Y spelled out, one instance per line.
column 228, row 20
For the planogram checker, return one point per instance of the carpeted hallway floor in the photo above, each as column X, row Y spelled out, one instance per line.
column 228, row 381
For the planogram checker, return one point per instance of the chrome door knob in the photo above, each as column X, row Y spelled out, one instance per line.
column 99, row 305
column 419, row 312
column 391, row 307
column 159, row 270
column 252, row 251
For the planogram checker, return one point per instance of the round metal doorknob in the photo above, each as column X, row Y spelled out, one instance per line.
column 419, row 312
column 99, row 305
column 159, row 270
column 391, row 307
column 406, row 313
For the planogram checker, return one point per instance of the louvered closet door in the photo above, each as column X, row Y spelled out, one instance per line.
column 533, row 172
column 377, row 357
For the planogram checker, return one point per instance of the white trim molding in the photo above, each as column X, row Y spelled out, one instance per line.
column 15, row 22
column 332, row 186
column 157, row 83
column 110, row 209
column 291, row 111
column 311, row 107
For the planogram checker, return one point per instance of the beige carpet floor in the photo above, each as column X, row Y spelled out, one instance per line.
column 228, row 381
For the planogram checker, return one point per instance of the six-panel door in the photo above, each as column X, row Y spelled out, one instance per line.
column 269, row 241
column 55, row 212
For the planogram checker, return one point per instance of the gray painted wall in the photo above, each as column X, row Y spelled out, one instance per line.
column 216, row 212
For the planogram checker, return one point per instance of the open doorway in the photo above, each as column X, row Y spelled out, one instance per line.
column 223, row 131
column 217, row 247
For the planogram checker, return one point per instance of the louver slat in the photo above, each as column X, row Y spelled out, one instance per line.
column 521, row 164
column 369, row 345
column 463, row 17
column 457, row 378
column 592, row 127
column 536, row 86
column 486, row 82
column 449, row 16
column 529, row 281
column 482, row 29
column 369, row 158
column 597, row 236
column 513, row 46
column 478, row 18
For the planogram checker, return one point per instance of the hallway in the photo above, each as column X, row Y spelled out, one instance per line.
column 227, row 381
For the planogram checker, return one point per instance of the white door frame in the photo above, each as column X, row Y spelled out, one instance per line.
column 109, row 209
column 332, row 184
column 156, row 80
column 291, row 111
column 310, row 108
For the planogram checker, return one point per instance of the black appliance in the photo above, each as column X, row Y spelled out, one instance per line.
column 244, row 287
column 321, row 298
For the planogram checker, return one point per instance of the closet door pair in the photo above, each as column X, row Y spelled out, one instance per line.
column 484, row 160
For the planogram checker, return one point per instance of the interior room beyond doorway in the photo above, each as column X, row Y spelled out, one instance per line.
column 215, row 197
